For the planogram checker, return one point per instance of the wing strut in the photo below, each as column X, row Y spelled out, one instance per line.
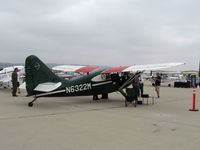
column 128, row 82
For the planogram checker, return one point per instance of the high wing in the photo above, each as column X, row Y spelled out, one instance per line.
column 74, row 68
column 67, row 68
column 136, row 68
column 152, row 66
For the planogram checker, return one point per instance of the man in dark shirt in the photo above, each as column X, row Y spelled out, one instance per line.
column 14, row 81
column 157, row 84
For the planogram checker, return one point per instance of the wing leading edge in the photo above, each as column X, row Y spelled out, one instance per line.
column 74, row 68
column 152, row 67
column 136, row 68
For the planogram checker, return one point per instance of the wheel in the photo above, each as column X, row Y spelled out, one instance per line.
column 30, row 104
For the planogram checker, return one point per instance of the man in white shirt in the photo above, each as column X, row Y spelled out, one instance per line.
column 141, row 84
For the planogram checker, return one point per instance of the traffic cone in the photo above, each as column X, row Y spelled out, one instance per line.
column 194, row 100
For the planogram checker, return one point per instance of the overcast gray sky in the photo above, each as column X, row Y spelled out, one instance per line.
column 101, row 32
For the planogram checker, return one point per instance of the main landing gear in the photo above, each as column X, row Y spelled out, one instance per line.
column 30, row 104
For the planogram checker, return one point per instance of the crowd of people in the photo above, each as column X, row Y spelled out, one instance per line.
column 138, row 86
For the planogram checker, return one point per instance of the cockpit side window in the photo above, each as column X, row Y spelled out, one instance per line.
column 101, row 77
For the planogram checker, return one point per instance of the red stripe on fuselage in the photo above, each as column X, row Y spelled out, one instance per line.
column 115, row 69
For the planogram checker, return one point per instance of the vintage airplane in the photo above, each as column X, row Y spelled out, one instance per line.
column 6, row 73
column 42, row 82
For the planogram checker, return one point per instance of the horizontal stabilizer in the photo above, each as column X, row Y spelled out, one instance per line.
column 47, row 87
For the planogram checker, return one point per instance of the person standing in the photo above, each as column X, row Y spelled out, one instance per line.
column 14, row 81
column 136, row 86
column 157, row 84
column 141, row 84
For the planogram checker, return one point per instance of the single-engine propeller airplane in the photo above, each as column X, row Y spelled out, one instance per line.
column 42, row 82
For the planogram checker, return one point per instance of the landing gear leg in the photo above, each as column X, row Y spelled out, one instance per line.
column 30, row 104
column 125, row 96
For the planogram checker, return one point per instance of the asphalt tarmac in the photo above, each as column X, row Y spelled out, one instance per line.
column 79, row 123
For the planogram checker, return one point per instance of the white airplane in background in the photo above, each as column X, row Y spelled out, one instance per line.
column 67, row 71
column 6, row 76
column 168, row 76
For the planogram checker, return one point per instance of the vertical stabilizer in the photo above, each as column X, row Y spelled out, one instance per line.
column 37, row 72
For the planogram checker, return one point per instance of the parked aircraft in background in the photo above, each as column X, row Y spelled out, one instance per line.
column 42, row 82
column 167, row 76
column 67, row 71
column 6, row 73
